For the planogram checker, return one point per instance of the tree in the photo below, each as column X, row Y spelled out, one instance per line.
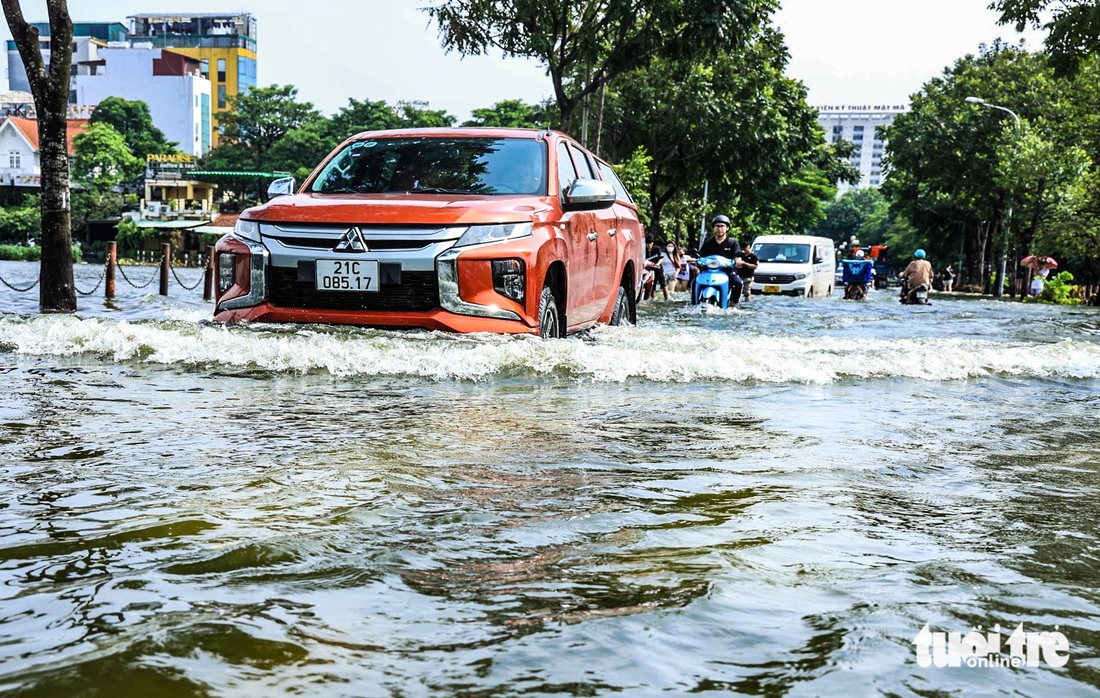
column 586, row 44
column 134, row 122
column 1072, row 26
column 511, row 113
column 51, row 96
column 859, row 212
column 103, row 157
column 943, row 156
column 734, row 120
column 260, row 117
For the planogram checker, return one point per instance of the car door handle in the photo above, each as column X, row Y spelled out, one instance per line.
column 612, row 232
column 592, row 236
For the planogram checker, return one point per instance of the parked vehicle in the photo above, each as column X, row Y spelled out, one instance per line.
column 458, row 229
column 712, row 285
column 796, row 265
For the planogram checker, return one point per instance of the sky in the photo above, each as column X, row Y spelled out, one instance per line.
column 847, row 52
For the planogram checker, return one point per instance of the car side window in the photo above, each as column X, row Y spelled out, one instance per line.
column 584, row 165
column 611, row 178
column 567, row 173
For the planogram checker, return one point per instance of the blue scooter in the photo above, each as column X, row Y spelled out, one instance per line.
column 712, row 285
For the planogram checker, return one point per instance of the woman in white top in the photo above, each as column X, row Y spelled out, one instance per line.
column 670, row 261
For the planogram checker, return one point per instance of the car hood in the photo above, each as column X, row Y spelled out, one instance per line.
column 399, row 209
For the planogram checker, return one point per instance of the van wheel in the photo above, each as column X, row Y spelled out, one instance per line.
column 621, row 314
column 550, row 326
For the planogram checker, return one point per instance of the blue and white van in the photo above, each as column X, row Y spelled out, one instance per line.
column 794, row 265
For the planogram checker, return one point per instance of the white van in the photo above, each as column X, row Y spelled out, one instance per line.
column 796, row 265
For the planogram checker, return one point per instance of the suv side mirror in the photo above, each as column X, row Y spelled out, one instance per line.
column 281, row 187
column 588, row 195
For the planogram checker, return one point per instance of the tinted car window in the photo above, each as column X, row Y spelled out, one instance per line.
column 611, row 178
column 567, row 174
column 443, row 165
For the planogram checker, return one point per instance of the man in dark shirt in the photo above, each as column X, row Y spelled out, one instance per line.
column 720, row 243
column 748, row 267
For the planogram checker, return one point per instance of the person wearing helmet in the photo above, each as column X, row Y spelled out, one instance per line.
column 918, row 273
column 721, row 243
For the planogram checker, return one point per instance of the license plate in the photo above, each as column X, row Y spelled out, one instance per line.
column 771, row 289
column 347, row 275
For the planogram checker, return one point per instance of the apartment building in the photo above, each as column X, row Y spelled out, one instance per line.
column 860, row 125
column 223, row 43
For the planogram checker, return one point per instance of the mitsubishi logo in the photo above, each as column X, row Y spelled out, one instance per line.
column 351, row 241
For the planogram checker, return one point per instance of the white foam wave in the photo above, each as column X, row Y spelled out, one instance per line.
column 609, row 354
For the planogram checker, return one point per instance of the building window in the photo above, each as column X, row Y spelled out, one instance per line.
column 221, row 97
column 14, row 160
column 221, row 70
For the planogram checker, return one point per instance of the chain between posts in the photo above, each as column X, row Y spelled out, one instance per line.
column 180, row 282
column 146, row 284
column 21, row 290
column 102, row 275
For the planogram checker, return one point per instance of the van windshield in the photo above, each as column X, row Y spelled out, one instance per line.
column 782, row 252
column 437, row 166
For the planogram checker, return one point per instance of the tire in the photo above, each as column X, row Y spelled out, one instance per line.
column 550, row 325
column 620, row 315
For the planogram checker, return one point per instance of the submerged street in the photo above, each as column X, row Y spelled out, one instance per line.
column 772, row 500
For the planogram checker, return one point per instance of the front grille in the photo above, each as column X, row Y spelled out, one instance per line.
column 418, row 291
column 775, row 278
column 329, row 243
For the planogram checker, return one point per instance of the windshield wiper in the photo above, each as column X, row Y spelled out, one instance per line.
column 439, row 190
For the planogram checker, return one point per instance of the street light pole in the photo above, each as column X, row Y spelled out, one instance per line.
column 998, row 291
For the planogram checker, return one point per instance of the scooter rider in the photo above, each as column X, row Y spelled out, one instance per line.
column 918, row 273
column 720, row 243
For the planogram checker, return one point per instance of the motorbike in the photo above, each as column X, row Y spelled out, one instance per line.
column 857, row 273
column 918, row 295
column 712, row 285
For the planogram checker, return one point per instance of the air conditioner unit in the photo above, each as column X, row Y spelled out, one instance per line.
column 153, row 209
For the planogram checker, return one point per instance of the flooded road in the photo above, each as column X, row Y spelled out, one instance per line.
column 769, row 501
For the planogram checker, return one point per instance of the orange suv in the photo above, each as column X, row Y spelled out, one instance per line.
column 459, row 229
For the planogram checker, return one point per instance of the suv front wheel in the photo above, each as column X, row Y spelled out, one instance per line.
column 550, row 325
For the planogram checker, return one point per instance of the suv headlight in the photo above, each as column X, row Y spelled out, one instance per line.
column 250, row 230
column 800, row 276
column 497, row 232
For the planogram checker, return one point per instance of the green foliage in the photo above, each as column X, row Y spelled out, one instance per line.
column 863, row 213
column 512, row 113
column 1072, row 26
column 635, row 173
column 21, row 223
column 131, row 238
column 739, row 124
column 1058, row 290
column 20, row 253
column 586, row 45
column 103, row 158
column 133, row 120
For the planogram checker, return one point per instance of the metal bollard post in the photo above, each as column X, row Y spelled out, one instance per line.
column 165, row 265
column 112, row 261
column 208, row 277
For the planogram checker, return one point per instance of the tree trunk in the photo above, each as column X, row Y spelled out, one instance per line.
column 51, row 97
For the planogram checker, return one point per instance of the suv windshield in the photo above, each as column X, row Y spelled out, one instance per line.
column 782, row 252
column 437, row 165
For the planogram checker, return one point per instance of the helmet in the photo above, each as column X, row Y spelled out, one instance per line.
column 919, row 254
column 860, row 254
column 720, row 219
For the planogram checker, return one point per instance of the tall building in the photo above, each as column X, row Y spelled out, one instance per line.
column 860, row 124
column 88, row 37
column 224, row 44
column 179, row 97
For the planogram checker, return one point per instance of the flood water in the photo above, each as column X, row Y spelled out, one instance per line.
column 768, row 501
